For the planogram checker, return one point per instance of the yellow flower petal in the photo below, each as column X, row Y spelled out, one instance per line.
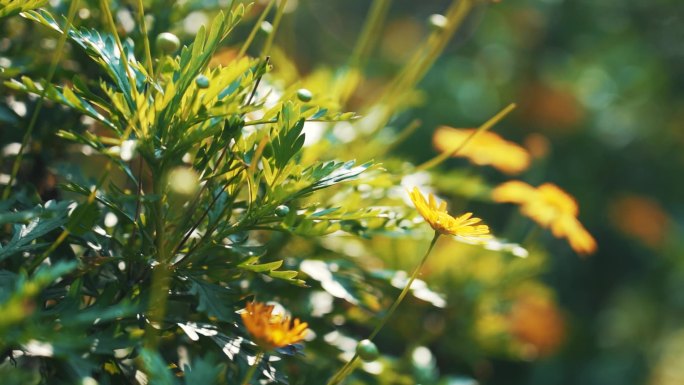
column 437, row 217
column 550, row 207
column 487, row 148
column 270, row 330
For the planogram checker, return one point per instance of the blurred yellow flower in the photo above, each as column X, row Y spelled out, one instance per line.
column 487, row 148
column 270, row 330
column 552, row 208
column 641, row 217
column 439, row 219
column 537, row 322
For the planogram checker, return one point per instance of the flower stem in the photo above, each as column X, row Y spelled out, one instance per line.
column 276, row 22
column 255, row 29
column 349, row 366
column 484, row 127
column 253, row 368
column 161, row 275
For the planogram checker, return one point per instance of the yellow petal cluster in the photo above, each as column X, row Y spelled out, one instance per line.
column 485, row 149
column 552, row 208
column 271, row 331
column 465, row 226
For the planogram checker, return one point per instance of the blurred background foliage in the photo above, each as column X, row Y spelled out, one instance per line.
column 599, row 88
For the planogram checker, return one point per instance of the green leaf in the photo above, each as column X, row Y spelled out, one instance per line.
column 83, row 218
column 156, row 368
column 270, row 269
column 214, row 300
column 251, row 265
column 14, row 7
column 205, row 371
column 48, row 218
column 103, row 50
column 63, row 96
column 288, row 142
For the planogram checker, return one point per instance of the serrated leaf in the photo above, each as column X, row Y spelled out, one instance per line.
column 213, row 299
column 103, row 50
column 251, row 265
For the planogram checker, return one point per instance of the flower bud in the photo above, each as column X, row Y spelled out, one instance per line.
column 202, row 81
column 282, row 210
column 437, row 22
column 304, row 95
column 367, row 350
column 168, row 42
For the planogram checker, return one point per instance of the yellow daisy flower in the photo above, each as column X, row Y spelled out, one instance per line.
column 485, row 149
column 552, row 208
column 465, row 226
column 271, row 331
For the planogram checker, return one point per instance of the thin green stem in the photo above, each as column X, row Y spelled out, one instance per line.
column 253, row 368
column 422, row 60
column 370, row 33
column 255, row 29
column 109, row 19
column 349, row 366
column 486, row 126
column 364, row 44
column 276, row 23
column 146, row 39
column 71, row 13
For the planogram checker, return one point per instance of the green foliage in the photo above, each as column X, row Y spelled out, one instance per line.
column 13, row 7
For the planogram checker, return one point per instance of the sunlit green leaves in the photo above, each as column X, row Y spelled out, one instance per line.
column 13, row 7
column 63, row 96
column 288, row 141
column 103, row 50
column 271, row 269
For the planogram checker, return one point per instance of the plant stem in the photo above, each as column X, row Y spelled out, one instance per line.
column 348, row 367
column 39, row 105
column 159, row 290
column 276, row 23
column 370, row 33
column 255, row 29
column 365, row 43
column 146, row 39
column 417, row 66
column 486, row 126
column 253, row 368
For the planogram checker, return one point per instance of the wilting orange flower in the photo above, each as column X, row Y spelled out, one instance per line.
column 270, row 330
column 552, row 208
column 486, row 148
column 439, row 219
